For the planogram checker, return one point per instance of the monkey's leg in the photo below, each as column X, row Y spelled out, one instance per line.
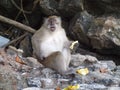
column 56, row 61
column 67, row 56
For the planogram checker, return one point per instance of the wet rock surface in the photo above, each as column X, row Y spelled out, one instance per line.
column 31, row 75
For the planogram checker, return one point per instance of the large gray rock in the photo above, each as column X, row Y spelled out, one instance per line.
column 79, row 26
column 68, row 8
column 99, row 7
column 48, row 7
column 7, row 7
column 65, row 8
column 104, row 35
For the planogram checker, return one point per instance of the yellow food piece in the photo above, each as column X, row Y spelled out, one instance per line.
column 72, row 45
column 72, row 87
column 83, row 71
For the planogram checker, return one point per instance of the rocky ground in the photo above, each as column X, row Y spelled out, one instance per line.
column 95, row 24
column 19, row 73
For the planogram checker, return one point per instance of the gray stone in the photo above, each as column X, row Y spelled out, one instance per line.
column 69, row 8
column 93, row 86
column 47, row 72
column 34, row 82
column 78, row 59
column 79, row 26
column 48, row 83
column 114, row 88
column 110, row 64
column 97, row 7
column 35, row 88
column 48, row 7
column 104, row 35
column 31, row 88
column 30, row 61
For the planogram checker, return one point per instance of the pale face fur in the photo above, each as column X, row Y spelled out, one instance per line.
column 52, row 23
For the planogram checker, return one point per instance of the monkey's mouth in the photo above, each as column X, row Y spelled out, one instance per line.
column 52, row 28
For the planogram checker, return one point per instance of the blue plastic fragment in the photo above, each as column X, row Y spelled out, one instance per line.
column 3, row 41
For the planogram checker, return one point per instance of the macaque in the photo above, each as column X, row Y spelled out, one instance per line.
column 51, row 45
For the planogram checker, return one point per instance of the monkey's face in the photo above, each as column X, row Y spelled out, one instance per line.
column 53, row 22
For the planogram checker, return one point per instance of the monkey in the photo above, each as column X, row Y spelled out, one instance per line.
column 51, row 46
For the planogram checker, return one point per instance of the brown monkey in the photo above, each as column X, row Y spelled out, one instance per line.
column 51, row 45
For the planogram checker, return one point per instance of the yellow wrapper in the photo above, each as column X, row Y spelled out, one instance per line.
column 83, row 71
column 72, row 87
column 72, row 45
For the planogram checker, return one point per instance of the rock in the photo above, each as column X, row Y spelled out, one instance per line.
column 32, row 88
column 78, row 59
column 48, row 83
column 10, row 80
column 35, row 72
column 65, row 8
column 100, row 34
column 69, row 8
column 8, row 7
column 49, row 7
column 114, row 88
column 79, row 26
column 34, row 82
column 35, row 88
column 47, row 72
column 97, row 7
column 30, row 61
column 105, row 66
column 93, row 86
column 26, row 46
column 117, row 72
column 104, row 78
column 91, row 59
column 110, row 64
column 118, row 68
column 11, row 51
column 104, row 35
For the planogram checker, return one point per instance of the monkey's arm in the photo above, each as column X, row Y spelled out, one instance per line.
column 67, row 44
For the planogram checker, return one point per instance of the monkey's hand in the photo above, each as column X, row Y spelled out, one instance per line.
column 67, row 44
